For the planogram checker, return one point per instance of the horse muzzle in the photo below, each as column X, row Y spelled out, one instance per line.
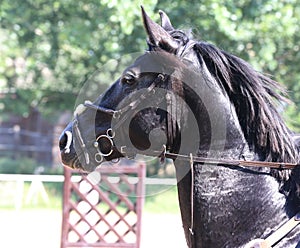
column 79, row 153
column 67, row 152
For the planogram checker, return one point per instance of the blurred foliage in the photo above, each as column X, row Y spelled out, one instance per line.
column 17, row 166
column 50, row 48
column 25, row 165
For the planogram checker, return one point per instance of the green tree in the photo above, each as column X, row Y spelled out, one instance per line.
column 49, row 48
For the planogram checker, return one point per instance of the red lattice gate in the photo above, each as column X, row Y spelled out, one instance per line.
column 103, row 209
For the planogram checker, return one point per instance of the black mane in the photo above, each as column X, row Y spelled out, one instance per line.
column 254, row 96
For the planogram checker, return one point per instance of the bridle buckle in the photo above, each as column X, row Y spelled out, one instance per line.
column 127, row 152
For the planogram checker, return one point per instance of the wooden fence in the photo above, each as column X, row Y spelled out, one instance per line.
column 105, row 209
column 17, row 143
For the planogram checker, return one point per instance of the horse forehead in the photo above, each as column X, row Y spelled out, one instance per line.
column 144, row 63
column 154, row 61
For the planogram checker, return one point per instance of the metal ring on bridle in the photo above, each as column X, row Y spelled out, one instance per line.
column 116, row 115
column 98, row 157
column 109, row 135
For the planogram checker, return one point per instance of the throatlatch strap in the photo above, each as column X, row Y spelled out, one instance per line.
column 191, row 228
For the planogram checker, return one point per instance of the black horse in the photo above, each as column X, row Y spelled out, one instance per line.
column 188, row 97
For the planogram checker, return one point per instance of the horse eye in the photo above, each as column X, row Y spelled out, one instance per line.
column 128, row 78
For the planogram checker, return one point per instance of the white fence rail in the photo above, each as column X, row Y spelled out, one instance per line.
column 37, row 187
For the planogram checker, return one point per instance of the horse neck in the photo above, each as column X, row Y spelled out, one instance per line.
column 212, row 127
column 223, row 197
column 230, row 206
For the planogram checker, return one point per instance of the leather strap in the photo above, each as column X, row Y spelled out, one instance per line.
column 276, row 236
column 213, row 161
column 281, row 232
column 191, row 228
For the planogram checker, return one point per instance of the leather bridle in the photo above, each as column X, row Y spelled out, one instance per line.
column 121, row 115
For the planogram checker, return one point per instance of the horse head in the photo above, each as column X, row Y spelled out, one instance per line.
column 147, row 107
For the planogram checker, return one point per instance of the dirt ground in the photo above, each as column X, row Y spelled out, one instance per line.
column 42, row 228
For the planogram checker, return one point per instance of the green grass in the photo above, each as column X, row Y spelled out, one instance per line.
column 158, row 198
column 162, row 200
column 11, row 196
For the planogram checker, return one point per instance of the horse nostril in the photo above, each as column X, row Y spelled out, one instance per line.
column 65, row 141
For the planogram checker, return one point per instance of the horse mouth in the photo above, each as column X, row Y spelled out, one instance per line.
column 81, row 163
column 77, row 164
column 70, row 162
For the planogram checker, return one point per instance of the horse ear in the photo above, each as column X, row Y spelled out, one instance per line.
column 165, row 21
column 157, row 35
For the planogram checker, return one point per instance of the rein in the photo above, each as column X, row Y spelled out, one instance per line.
column 242, row 163
column 212, row 161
